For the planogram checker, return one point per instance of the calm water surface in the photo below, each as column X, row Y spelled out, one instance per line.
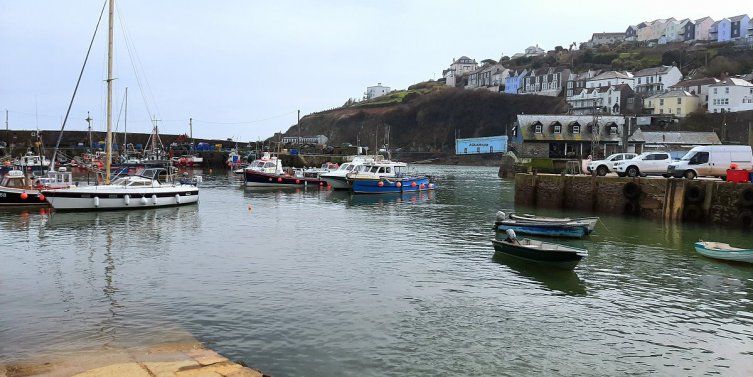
column 319, row 283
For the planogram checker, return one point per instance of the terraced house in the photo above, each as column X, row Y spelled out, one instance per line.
column 546, row 81
column 654, row 80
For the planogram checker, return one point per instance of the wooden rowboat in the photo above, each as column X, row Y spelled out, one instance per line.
column 723, row 251
column 546, row 253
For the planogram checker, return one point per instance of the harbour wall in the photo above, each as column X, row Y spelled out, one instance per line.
column 700, row 200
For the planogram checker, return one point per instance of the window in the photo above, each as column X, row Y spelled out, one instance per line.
column 576, row 129
column 679, row 110
column 538, row 129
column 613, row 130
column 558, row 129
column 714, row 90
column 661, row 111
column 679, row 100
column 661, row 102
column 726, row 90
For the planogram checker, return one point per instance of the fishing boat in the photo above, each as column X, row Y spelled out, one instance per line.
column 32, row 162
column 386, row 185
column 572, row 229
column 545, row 253
column 591, row 221
column 17, row 189
column 156, row 187
column 723, row 251
column 267, row 171
column 337, row 179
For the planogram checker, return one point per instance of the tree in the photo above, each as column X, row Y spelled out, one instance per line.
column 488, row 61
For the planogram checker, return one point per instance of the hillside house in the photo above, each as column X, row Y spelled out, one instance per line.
column 546, row 81
column 534, row 51
column 490, row 76
column 655, row 80
column 739, row 27
column 600, row 100
column 677, row 103
column 611, row 78
column 514, row 81
column 631, row 33
column 701, row 28
column 598, row 39
column 376, row 91
column 458, row 68
column 721, row 31
column 699, row 87
column 577, row 81
column 730, row 95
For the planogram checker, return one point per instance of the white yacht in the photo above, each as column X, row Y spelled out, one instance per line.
column 151, row 188
column 337, row 179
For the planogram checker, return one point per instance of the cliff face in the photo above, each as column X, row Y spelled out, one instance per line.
column 427, row 122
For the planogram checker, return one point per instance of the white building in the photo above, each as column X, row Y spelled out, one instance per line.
column 730, row 95
column 376, row 91
column 611, row 78
column 656, row 80
column 318, row 139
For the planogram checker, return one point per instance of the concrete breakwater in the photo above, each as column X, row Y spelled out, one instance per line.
column 707, row 201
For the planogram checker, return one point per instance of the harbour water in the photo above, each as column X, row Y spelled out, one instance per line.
column 321, row 283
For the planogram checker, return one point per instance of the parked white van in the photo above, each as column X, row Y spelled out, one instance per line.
column 712, row 160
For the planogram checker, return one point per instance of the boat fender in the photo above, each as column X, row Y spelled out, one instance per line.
column 746, row 219
column 631, row 208
column 380, row 184
column 413, row 184
column 631, row 190
column 24, row 195
column 96, row 201
column 127, row 199
column 501, row 216
column 746, row 197
column 692, row 212
column 41, row 197
column 398, row 184
column 154, row 199
column 177, row 198
column 695, row 194
column 143, row 200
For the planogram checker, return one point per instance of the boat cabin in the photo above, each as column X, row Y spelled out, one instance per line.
column 15, row 179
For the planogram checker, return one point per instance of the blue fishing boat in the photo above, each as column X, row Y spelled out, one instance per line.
column 723, row 251
column 397, row 185
column 571, row 229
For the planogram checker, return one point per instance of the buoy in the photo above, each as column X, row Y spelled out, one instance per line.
column 279, row 179
column 143, row 200
column 297, row 181
column 154, row 199
column 422, row 185
column 127, row 199
column 413, row 184
column 431, row 185
column 380, row 184
column 41, row 197
column 24, row 195
column 398, row 184
column 733, row 166
column 321, row 183
column 96, row 201
column 177, row 198
column 270, row 179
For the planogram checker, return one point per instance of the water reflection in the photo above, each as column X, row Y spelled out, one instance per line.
column 564, row 281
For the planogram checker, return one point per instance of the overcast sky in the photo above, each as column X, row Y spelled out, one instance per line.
column 242, row 68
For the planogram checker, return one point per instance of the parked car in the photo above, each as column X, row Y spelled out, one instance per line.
column 647, row 163
column 712, row 160
column 602, row 167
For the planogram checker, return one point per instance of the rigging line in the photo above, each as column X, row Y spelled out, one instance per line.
column 137, row 67
column 81, row 74
column 246, row 122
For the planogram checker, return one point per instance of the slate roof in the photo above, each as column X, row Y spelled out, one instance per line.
column 678, row 137
column 695, row 82
column 731, row 81
column 653, row 71
column 611, row 75
column 673, row 94
column 738, row 18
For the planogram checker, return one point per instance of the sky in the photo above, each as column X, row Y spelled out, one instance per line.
column 242, row 69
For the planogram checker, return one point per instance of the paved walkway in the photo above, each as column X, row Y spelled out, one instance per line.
column 174, row 360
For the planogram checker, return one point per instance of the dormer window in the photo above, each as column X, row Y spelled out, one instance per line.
column 557, row 129
column 576, row 129
column 538, row 129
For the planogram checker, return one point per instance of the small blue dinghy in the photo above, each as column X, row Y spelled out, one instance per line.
column 723, row 251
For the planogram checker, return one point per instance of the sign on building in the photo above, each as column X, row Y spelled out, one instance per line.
column 481, row 145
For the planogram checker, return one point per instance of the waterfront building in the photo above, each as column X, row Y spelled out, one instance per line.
column 567, row 136
column 677, row 103
column 654, row 80
column 376, row 91
column 699, row 87
column 730, row 95
column 481, row 145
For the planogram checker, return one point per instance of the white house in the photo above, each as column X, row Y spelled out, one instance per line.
column 459, row 67
column 534, row 51
column 730, row 95
column 605, row 99
column 611, row 78
column 655, row 80
column 376, row 91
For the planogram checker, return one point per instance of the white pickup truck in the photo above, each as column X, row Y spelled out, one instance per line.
column 647, row 163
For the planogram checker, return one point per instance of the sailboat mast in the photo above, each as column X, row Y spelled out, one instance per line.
column 108, row 146
column 125, row 126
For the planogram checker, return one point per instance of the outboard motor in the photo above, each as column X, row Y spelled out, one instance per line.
column 511, row 236
column 501, row 216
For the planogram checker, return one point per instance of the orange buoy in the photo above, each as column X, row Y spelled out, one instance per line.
column 297, row 181
column 422, row 185
column 279, row 179
column 413, row 184
column 380, row 184
column 41, row 197
column 398, row 184
column 24, row 195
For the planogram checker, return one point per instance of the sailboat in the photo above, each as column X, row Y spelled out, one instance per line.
column 155, row 187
